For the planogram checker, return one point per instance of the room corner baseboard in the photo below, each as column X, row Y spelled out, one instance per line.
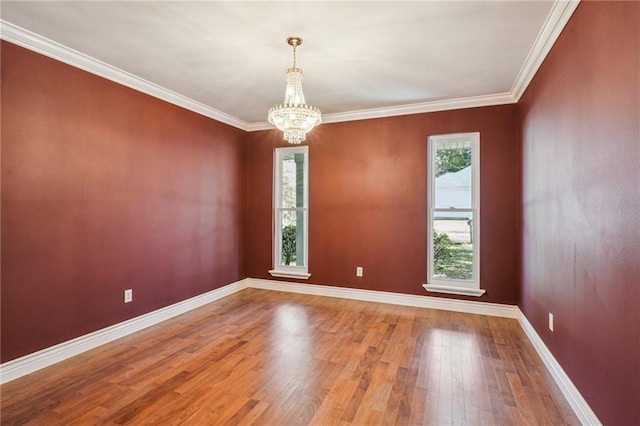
column 456, row 305
column 30, row 363
column 582, row 410
column 584, row 413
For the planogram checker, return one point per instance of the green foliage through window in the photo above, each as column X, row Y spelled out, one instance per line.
column 441, row 248
column 289, row 244
column 452, row 160
column 450, row 259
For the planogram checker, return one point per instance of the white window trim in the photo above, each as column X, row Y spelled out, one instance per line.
column 288, row 271
column 453, row 286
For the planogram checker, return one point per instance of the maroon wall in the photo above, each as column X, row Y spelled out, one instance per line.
column 580, row 133
column 104, row 189
column 368, row 205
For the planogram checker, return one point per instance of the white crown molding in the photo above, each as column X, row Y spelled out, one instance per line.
column 407, row 109
column 264, row 125
column 577, row 402
column 29, row 40
column 27, row 364
column 419, row 108
column 559, row 15
column 555, row 22
column 557, row 19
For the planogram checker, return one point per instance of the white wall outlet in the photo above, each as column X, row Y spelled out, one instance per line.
column 359, row 271
column 550, row 321
column 128, row 296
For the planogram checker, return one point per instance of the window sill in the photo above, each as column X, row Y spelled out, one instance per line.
column 290, row 274
column 435, row 288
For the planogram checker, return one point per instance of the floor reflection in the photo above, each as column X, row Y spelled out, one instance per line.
column 290, row 344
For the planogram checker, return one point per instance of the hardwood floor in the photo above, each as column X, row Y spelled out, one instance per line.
column 271, row 358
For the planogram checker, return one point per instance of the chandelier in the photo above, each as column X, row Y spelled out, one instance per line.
column 294, row 117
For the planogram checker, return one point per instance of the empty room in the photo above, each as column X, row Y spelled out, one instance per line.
column 306, row 212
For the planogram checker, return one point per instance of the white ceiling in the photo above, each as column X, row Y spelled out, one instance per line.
column 360, row 59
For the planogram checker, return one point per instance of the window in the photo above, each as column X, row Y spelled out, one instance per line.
column 454, row 219
column 291, row 212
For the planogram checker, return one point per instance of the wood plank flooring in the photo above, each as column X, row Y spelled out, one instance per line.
column 270, row 358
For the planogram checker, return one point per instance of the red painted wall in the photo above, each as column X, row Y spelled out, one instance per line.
column 580, row 129
column 104, row 189
column 367, row 200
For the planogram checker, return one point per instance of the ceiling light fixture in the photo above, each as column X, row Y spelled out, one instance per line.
column 294, row 117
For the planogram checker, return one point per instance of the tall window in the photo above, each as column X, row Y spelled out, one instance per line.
column 291, row 212
column 454, row 219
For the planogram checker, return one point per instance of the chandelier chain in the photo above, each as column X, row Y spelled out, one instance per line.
column 294, row 55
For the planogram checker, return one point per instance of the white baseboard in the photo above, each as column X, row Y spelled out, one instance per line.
column 29, row 363
column 471, row 307
column 584, row 413
column 44, row 358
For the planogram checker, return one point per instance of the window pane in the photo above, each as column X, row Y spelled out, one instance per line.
column 453, row 175
column 292, row 180
column 453, row 245
column 292, row 243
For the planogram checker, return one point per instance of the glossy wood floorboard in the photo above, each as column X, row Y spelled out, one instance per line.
column 271, row 358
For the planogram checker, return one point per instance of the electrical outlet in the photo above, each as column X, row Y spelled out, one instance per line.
column 550, row 321
column 359, row 271
column 128, row 296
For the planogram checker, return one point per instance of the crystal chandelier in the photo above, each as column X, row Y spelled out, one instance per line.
column 294, row 117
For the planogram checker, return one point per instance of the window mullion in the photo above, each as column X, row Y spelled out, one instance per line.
column 292, row 209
